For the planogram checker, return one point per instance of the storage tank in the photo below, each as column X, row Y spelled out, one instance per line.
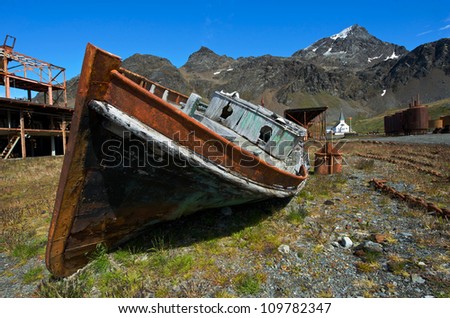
column 417, row 120
column 445, row 120
column 398, row 123
column 435, row 123
column 387, row 125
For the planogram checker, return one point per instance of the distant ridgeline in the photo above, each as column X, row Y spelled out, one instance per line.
column 352, row 70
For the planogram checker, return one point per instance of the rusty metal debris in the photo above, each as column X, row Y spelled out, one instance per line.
column 404, row 163
column 328, row 160
column 411, row 200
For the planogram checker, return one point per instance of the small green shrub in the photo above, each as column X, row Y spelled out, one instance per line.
column 248, row 284
column 33, row 274
column 296, row 216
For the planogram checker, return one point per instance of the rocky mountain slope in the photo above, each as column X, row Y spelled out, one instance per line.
column 353, row 48
column 352, row 70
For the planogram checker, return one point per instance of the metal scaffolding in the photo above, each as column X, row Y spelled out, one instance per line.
column 23, row 119
column 28, row 73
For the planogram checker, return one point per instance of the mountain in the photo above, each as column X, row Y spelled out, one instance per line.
column 351, row 70
column 205, row 60
column 352, row 48
column 158, row 69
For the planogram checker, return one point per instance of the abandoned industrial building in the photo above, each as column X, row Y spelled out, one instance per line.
column 31, row 126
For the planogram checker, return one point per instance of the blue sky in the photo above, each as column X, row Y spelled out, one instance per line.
column 57, row 31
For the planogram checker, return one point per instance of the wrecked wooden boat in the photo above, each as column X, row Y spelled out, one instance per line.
column 140, row 153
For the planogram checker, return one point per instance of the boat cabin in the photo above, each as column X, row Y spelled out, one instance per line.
column 251, row 127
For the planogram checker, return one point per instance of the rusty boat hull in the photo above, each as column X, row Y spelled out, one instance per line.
column 135, row 159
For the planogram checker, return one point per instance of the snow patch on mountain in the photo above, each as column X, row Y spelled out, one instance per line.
column 370, row 59
column 343, row 34
column 392, row 57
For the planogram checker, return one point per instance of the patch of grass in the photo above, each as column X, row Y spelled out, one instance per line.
column 118, row 283
column 296, row 216
column 325, row 185
column 391, row 287
column 365, row 164
column 327, row 293
column 78, row 287
column 368, row 286
column 223, row 294
column 124, row 257
column 304, row 196
column 180, row 264
column 248, row 284
column 372, row 256
column 162, row 292
column 28, row 250
column 318, row 249
column 100, row 260
column 368, row 267
column 33, row 274
column 25, row 212
column 397, row 265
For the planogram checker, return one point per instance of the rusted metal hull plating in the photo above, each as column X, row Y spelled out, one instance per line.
column 106, row 198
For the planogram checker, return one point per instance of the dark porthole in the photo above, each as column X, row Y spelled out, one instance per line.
column 226, row 111
column 265, row 133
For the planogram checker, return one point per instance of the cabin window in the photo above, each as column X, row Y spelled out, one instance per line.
column 265, row 133
column 226, row 111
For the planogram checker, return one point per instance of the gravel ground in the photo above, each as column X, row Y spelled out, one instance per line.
column 312, row 269
column 12, row 276
column 355, row 242
column 443, row 139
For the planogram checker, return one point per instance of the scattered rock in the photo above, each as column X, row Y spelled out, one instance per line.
column 346, row 242
column 284, row 249
column 416, row 279
column 335, row 244
column 421, row 264
column 379, row 238
column 328, row 202
column 360, row 253
column 406, row 234
column 369, row 247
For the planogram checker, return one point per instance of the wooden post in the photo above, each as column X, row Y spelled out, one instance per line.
column 50, row 95
column 50, row 88
column 9, row 118
column 63, row 128
column 22, row 135
column 52, row 145
column 6, row 78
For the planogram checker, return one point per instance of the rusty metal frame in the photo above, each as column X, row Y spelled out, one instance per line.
column 21, row 71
